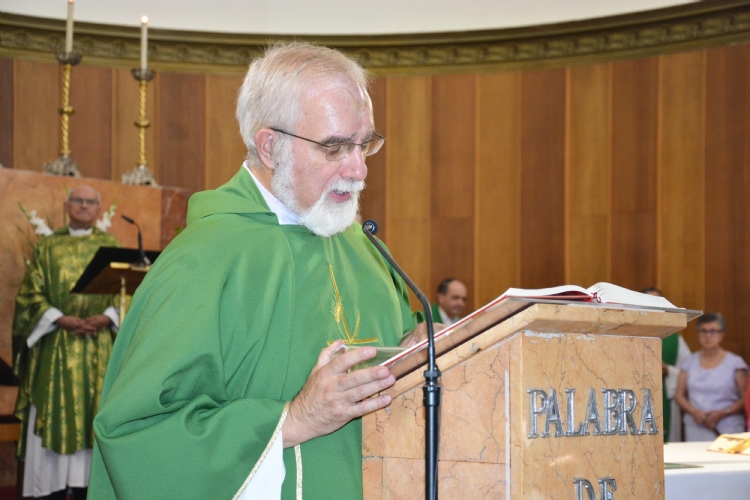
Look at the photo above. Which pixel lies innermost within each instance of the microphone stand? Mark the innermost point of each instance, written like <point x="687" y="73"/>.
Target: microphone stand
<point x="143" y="260"/>
<point x="431" y="390"/>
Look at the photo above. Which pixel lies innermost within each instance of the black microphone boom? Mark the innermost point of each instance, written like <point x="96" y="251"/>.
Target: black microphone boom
<point x="431" y="391"/>
<point x="144" y="261"/>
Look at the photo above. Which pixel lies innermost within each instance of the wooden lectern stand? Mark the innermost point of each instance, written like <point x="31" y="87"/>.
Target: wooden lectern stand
<point x="560" y="401"/>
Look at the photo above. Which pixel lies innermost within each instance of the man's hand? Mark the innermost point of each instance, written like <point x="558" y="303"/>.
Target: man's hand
<point x="664" y="369"/>
<point x="74" y="324"/>
<point x="332" y="396"/>
<point x="98" y="322"/>
<point x="419" y="334"/>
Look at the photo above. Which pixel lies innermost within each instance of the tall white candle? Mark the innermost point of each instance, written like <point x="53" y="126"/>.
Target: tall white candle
<point x="69" y="28"/>
<point x="144" y="43"/>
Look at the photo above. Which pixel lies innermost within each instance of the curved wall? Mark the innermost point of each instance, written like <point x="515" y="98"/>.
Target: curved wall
<point x="596" y="167"/>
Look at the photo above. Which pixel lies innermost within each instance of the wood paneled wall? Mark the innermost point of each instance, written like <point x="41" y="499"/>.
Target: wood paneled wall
<point x="635" y="172"/>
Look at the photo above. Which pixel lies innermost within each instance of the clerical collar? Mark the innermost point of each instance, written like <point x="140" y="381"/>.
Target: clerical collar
<point x="283" y="213"/>
<point x="79" y="232"/>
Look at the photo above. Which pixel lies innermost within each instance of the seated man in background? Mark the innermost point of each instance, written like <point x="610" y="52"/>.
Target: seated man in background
<point x="451" y="300"/>
<point x="223" y="382"/>
<point x="61" y="346"/>
<point x="674" y="350"/>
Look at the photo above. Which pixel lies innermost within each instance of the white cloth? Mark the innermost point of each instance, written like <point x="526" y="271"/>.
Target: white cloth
<point x="270" y="475"/>
<point x="285" y="216"/>
<point x="47" y="323"/>
<point x="670" y="387"/>
<point x="46" y="471"/>
<point x="720" y="475"/>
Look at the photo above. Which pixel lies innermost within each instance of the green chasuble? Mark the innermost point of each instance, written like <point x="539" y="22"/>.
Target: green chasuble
<point x="63" y="373"/>
<point x="669" y="347"/>
<point x="221" y="335"/>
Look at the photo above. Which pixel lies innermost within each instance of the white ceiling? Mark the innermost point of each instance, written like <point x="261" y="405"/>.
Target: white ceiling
<point x="332" y="17"/>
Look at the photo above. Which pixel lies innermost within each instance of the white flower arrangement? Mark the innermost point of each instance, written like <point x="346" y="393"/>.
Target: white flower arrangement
<point x="39" y="225"/>
<point x="106" y="221"/>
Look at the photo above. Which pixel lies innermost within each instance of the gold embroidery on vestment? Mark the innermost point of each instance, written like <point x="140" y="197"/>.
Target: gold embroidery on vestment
<point x="337" y="309"/>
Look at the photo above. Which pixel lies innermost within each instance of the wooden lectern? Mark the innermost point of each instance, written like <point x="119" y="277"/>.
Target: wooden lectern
<point x="559" y="401"/>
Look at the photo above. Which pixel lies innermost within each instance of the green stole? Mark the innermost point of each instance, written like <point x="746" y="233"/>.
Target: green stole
<point x="669" y="346"/>
<point x="436" y="313"/>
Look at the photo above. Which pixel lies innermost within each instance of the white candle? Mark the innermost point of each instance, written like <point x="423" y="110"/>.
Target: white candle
<point x="69" y="28"/>
<point x="144" y="43"/>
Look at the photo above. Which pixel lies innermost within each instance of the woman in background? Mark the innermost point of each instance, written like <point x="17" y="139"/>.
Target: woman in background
<point x="711" y="385"/>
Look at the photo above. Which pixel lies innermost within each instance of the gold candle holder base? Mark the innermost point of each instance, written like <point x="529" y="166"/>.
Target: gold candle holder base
<point x="63" y="166"/>
<point x="140" y="176"/>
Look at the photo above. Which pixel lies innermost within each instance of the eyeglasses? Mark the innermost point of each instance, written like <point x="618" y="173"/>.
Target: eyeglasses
<point x="712" y="331"/>
<point x="340" y="151"/>
<point x="82" y="201"/>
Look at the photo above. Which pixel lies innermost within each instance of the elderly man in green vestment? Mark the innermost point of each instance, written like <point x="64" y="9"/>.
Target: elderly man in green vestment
<point x="61" y="346"/>
<point x="224" y="382"/>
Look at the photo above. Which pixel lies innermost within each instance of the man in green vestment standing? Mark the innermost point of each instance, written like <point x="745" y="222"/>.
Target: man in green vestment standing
<point x="61" y="346"/>
<point x="229" y="378"/>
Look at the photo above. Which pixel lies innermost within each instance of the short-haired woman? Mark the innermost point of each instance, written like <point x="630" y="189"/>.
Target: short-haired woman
<point x="711" y="385"/>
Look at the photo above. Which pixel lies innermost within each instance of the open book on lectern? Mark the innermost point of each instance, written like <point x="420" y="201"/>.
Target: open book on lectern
<point x="510" y="303"/>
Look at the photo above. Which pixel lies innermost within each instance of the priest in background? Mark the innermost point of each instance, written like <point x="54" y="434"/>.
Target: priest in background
<point x="229" y="378"/>
<point x="61" y="346"/>
<point x="451" y="301"/>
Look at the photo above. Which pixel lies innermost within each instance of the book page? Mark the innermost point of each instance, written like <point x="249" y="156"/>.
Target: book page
<point x="564" y="292"/>
<point x="607" y="293"/>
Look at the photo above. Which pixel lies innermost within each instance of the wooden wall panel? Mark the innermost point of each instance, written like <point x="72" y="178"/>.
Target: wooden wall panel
<point x="182" y="129"/>
<point x="91" y="124"/>
<point x="452" y="207"/>
<point x="542" y="178"/>
<point x="372" y="201"/>
<point x="681" y="178"/>
<point x="587" y="175"/>
<point x="225" y="150"/>
<point x="408" y="174"/>
<point x="728" y="191"/>
<point x="497" y="174"/>
<point x="636" y="172"/>
<point x="125" y="112"/>
<point x="6" y="113"/>
<point x="36" y="124"/>
<point x="634" y="141"/>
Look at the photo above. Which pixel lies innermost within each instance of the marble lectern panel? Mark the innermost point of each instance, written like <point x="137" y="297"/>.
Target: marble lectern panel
<point x="584" y="433"/>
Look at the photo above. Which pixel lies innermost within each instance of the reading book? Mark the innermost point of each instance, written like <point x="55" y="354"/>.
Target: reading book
<point x="604" y="293"/>
<point x="505" y="306"/>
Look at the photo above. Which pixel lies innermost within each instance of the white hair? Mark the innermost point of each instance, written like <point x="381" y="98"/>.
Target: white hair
<point x="274" y="84"/>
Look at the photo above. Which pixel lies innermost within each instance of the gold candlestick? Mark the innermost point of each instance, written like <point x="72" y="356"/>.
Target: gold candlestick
<point x="141" y="175"/>
<point x="64" y="164"/>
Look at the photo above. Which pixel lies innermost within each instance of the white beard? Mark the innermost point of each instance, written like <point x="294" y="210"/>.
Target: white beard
<point x="326" y="217"/>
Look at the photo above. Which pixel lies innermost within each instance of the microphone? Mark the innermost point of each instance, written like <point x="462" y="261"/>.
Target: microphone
<point x="144" y="261"/>
<point x="431" y="391"/>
